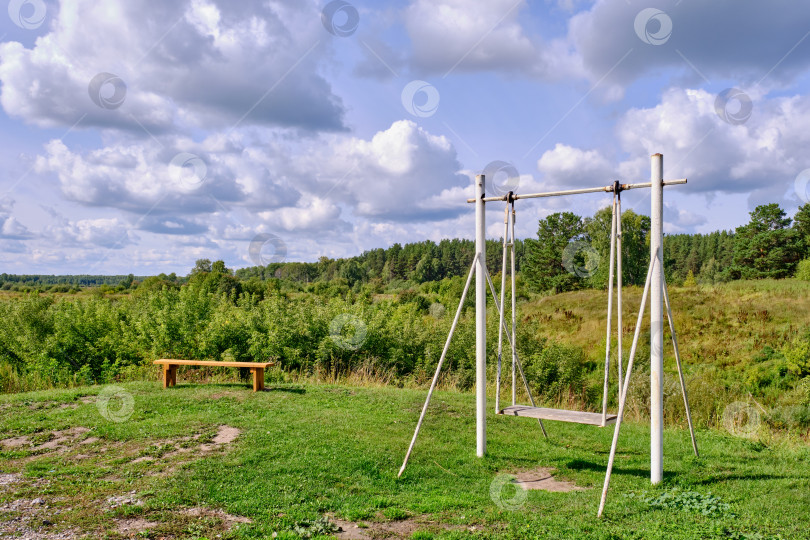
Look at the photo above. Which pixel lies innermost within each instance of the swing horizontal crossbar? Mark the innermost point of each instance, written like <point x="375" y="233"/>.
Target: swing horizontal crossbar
<point x="608" y="189"/>
<point x="560" y="415"/>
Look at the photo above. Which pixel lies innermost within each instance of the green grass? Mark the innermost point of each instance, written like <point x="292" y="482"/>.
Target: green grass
<point x="310" y="451"/>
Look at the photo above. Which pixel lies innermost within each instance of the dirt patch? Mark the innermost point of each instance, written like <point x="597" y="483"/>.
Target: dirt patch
<point x="8" y="479"/>
<point x="225" y="435"/>
<point x="228" y="520"/>
<point x="128" y="526"/>
<point x="31" y="519"/>
<point x="37" y="405"/>
<point x="60" y="440"/>
<point x="15" y="442"/>
<point x="350" y="531"/>
<point x="542" y="479"/>
<point x="56" y="440"/>
<point x="121" y="500"/>
<point x="404" y="528"/>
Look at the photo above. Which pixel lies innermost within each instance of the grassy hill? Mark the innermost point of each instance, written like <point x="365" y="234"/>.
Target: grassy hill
<point x="218" y="461"/>
<point x="736" y="341"/>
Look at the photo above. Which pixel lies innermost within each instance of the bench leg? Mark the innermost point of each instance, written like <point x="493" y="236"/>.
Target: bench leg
<point x="258" y="379"/>
<point x="169" y="375"/>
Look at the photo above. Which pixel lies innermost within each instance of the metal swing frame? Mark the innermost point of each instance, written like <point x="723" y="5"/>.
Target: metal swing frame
<point x="655" y="284"/>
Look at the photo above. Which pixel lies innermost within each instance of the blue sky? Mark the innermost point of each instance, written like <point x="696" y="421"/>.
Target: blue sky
<point x="141" y="135"/>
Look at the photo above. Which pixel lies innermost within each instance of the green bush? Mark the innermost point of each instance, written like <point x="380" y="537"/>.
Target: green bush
<point x="556" y="372"/>
<point x="803" y="270"/>
<point x="797" y="355"/>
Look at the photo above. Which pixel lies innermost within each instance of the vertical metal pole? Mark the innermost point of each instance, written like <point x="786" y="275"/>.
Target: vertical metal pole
<point x="619" y="257"/>
<point x="480" y="320"/>
<point x="501" y="314"/>
<point x="514" y="312"/>
<point x="657" y="320"/>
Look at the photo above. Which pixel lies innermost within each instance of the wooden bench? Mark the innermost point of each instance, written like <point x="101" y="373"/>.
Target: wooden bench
<point x="170" y="369"/>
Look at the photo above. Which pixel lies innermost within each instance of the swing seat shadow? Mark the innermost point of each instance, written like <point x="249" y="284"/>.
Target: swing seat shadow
<point x="579" y="464"/>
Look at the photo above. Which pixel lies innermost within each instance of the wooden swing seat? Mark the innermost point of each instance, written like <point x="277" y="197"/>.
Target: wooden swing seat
<point x="560" y="415"/>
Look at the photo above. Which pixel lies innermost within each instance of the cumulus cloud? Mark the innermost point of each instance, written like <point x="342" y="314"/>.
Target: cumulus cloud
<point x="111" y="233"/>
<point x="568" y="167"/>
<point x="184" y="65"/>
<point x="391" y="176"/>
<point x="386" y="177"/>
<point x="481" y="36"/>
<point x="10" y="226"/>
<point x="604" y="41"/>
<point x="180" y="178"/>
<point x="720" y="39"/>
<point x="760" y="157"/>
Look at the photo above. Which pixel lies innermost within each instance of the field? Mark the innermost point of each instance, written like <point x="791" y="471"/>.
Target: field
<point x="299" y="460"/>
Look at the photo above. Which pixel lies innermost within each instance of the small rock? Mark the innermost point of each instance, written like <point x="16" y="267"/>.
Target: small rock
<point x="38" y="501"/>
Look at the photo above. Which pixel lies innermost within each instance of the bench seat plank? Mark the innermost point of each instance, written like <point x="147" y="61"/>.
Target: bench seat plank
<point x="171" y="361"/>
<point x="170" y="369"/>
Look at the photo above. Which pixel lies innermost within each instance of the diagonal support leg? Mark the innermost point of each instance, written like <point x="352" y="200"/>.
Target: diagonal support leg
<point x="439" y="367"/>
<point x="680" y="370"/>
<point x="623" y="397"/>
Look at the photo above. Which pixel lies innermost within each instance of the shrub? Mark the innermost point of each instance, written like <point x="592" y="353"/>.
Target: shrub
<point x="557" y="371"/>
<point x="803" y="270"/>
<point x="797" y="355"/>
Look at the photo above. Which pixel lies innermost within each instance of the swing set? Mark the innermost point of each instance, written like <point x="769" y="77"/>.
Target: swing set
<point x="655" y="288"/>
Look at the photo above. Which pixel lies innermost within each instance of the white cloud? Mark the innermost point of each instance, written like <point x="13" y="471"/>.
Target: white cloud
<point x="759" y="157"/>
<point x="111" y="233"/>
<point x="481" y="36"/>
<point x="722" y="39"/>
<point x="568" y="167"/>
<point x="10" y="226"/>
<point x="185" y="65"/>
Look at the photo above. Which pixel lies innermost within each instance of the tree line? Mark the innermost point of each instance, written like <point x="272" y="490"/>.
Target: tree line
<point x="569" y="252"/>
